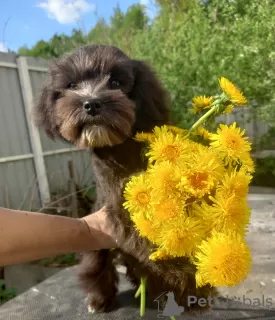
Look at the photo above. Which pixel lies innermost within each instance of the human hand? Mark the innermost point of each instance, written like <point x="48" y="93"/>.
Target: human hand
<point x="101" y="232"/>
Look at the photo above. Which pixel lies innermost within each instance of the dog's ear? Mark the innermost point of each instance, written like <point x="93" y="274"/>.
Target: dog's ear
<point x="152" y="100"/>
<point x="43" y="112"/>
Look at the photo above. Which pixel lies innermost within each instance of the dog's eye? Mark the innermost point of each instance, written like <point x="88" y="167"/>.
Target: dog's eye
<point x="115" y="84"/>
<point x="72" y="86"/>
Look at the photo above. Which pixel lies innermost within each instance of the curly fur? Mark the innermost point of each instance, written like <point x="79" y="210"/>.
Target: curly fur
<point x="131" y="99"/>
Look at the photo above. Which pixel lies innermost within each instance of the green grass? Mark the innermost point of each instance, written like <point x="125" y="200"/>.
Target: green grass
<point x="6" y="294"/>
<point x="63" y="260"/>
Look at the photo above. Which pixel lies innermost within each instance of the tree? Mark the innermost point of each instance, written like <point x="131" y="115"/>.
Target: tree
<point x="42" y="49"/>
<point x="100" y="33"/>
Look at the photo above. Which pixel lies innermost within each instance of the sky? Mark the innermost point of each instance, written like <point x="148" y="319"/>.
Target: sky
<point x="24" y="22"/>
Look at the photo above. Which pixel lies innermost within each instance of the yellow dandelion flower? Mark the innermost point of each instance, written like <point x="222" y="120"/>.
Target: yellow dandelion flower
<point x="229" y="109"/>
<point x="159" y="131"/>
<point x="180" y="236"/>
<point x="231" y="167"/>
<point x="196" y="183"/>
<point x="228" y="212"/>
<point x="223" y="260"/>
<point x="146" y="227"/>
<point x="200" y="280"/>
<point x="198" y="148"/>
<point x="248" y="163"/>
<point x="201" y="102"/>
<point x="236" y="182"/>
<point x="163" y="177"/>
<point x="159" y="255"/>
<point x="177" y="130"/>
<point x="145" y="137"/>
<point x="201" y="174"/>
<point x="234" y="94"/>
<point x="230" y="143"/>
<point x="194" y="148"/>
<point x="202" y="132"/>
<point x="137" y="194"/>
<point x="168" y="208"/>
<point x="167" y="147"/>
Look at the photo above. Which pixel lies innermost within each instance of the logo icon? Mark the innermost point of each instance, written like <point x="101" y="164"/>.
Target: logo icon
<point x="171" y="308"/>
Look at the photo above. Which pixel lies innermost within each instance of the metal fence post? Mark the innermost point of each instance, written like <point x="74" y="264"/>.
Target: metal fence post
<point x="26" y="89"/>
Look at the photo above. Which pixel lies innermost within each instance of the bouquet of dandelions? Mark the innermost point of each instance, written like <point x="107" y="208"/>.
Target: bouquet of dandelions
<point x="191" y="201"/>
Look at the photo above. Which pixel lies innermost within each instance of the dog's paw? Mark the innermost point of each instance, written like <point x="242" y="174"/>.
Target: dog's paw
<point x="91" y="310"/>
<point x="101" y="304"/>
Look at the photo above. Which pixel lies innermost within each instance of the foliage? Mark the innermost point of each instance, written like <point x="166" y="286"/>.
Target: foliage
<point x="206" y="43"/>
<point x="268" y="166"/>
<point x="6" y="293"/>
<point x="90" y="192"/>
<point x="57" y="45"/>
<point x="267" y="141"/>
<point x="265" y="172"/>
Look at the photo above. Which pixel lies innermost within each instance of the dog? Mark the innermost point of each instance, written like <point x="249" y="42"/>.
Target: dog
<point x="97" y="97"/>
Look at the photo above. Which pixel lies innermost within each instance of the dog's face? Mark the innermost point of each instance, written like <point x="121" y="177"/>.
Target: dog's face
<point x="98" y="96"/>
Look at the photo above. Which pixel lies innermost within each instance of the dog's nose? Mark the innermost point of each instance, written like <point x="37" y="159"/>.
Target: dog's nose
<point x="92" y="107"/>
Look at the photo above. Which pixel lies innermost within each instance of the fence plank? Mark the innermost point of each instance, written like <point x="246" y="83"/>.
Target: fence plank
<point x="33" y="131"/>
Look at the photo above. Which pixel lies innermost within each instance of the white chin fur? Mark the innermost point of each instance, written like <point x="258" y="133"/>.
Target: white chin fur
<point x="98" y="137"/>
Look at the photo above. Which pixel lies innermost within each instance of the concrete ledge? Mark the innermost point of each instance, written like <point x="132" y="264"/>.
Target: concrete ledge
<point x="261" y="190"/>
<point x="59" y="298"/>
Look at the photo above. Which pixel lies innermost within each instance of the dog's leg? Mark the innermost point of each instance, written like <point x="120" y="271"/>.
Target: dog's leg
<point x="99" y="279"/>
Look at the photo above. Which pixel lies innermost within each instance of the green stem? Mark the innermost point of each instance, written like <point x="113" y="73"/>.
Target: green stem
<point x="203" y="118"/>
<point x="142" y="296"/>
<point x="138" y="292"/>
